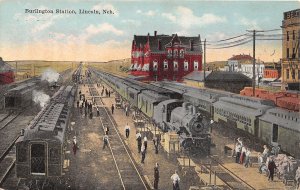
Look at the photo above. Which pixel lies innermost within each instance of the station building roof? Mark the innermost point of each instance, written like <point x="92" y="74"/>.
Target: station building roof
<point x="226" y="76"/>
<point x="197" y="76"/>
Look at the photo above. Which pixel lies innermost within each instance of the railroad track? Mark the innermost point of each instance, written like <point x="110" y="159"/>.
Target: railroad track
<point x="231" y="180"/>
<point x="9" y="118"/>
<point x="128" y="173"/>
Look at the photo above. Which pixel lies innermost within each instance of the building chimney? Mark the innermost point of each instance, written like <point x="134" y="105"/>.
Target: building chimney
<point x="159" y="44"/>
<point x="155" y="33"/>
<point x="192" y="45"/>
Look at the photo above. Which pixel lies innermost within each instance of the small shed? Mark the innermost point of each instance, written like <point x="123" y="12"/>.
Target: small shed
<point x="195" y="78"/>
<point x="228" y="81"/>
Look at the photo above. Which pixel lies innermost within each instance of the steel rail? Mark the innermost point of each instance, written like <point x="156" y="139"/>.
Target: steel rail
<point x="132" y="162"/>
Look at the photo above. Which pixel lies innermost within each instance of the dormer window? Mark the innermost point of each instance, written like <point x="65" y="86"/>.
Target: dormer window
<point x="169" y="53"/>
<point x="155" y="65"/>
<point x="186" y="65"/>
<point x="181" y="54"/>
<point x="165" y="65"/>
<point x="195" y="65"/>
<point x="175" y="52"/>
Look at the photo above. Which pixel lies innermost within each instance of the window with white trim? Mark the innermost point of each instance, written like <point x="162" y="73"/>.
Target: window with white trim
<point x="165" y="65"/>
<point x="186" y="65"/>
<point x="181" y="54"/>
<point x="175" y="63"/>
<point x="155" y="65"/>
<point x="175" y="52"/>
<point x="195" y="65"/>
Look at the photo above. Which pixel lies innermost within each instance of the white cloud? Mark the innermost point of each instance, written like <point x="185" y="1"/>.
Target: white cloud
<point x="250" y="24"/>
<point x="105" y="6"/>
<point x="149" y="13"/>
<point x="88" y="33"/>
<point x="185" y="17"/>
<point x="132" y="22"/>
<point x="169" y="16"/>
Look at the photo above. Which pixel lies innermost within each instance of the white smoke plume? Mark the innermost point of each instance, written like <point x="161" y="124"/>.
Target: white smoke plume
<point x="50" y="75"/>
<point x="40" y="98"/>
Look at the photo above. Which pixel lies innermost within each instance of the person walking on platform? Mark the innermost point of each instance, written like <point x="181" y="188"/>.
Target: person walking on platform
<point x="145" y="142"/>
<point x="243" y="155"/>
<point x="106" y="130"/>
<point x="126" y="110"/>
<point x="108" y="93"/>
<point x="155" y="142"/>
<point x="143" y="150"/>
<point x="98" y="113"/>
<point x="238" y="150"/>
<point x="127" y="130"/>
<point x="156" y="176"/>
<point x="247" y="159"/>
<point x="175" y="178"/>
<point x="139" y="141"/>
<point x="105" y="141"/>
<point x="112" y="109"/>
<point x="77" y="103"/>
<point x="271" y="167"/>
<point x="75" y="146"/>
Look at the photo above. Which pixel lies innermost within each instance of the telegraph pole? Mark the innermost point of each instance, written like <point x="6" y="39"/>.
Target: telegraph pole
<point x="204" y="59"/>
<point x="253" y="80"/>
<point x="253" y="69"/>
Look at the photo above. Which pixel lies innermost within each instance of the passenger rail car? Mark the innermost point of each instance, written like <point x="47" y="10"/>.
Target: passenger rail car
<point x="20" y="96"/>
<point x="40" y="148"/>
<point x="256" y="118"/>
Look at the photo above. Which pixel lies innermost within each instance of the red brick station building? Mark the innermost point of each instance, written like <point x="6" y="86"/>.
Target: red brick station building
<point x="168" y="57"/>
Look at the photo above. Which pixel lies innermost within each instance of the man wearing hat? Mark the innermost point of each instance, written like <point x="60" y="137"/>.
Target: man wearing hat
<point x="75" y="147"/>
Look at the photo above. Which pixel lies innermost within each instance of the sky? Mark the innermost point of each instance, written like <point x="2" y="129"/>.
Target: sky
<point x="104" y="37"/>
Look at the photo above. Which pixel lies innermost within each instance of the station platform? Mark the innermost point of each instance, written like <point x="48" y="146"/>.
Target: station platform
<point x="93" y="165"/>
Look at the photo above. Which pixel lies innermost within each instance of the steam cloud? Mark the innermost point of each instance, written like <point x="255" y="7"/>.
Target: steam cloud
<point x="50" y="75"/>
<point x="40" y="98"/>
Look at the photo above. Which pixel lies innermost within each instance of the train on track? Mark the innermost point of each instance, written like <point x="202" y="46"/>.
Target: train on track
<point x="255" y="118"/>
<point x="40" y="149"/>
<point x="165" y="109"/>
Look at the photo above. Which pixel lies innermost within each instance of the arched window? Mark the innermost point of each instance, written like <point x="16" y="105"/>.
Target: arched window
<point x="175" y="52"/>
<point x="165" y="64"/>
<point x="155" y="65"/>
<point x="181" y="54"/>
<point x="169" y="53"/>
<point x="195" y="65"/>
<point x="186" y="65"/>
<point x="175" y="63"/>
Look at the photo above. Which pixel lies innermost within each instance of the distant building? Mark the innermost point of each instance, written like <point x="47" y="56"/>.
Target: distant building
<point x="228" y="81"/>
<point x="235" y="62"/>
<point x="272" y="72"/>
<point x="247" y="69"/>
<point x="6" y="73"/>
<point x="290" y="49"/>
<point x="195" y="78"/>
<point x="165" y="57"/>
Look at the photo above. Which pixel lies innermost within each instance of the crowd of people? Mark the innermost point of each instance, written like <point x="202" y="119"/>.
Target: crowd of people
<point x="270" y="162"/>
<point x="87" y="108"/>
